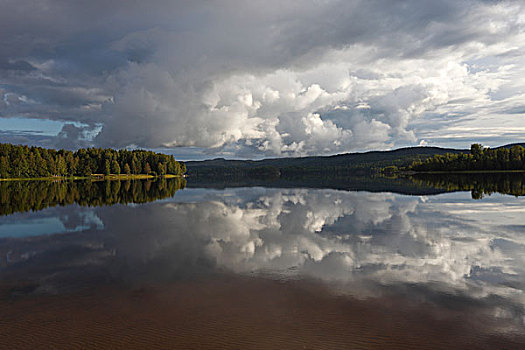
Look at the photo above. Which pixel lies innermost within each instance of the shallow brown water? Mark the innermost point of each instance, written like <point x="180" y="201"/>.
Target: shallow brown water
<point x="231" y="312"/>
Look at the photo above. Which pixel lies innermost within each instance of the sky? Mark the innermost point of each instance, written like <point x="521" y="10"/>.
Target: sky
<point x="256" y="79"/>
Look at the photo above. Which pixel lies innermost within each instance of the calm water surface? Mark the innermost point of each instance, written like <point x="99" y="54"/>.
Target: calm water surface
<point x="448" y="252"/>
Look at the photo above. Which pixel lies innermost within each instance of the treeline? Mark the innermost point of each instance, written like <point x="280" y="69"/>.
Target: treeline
<point x="349" y="164"/>
<point x="478" y="184"/>
<point x="283" y="172"/>
<point x="24" y="161"/>
<point x="17" y="196"/>
<point x="479" y="158"/>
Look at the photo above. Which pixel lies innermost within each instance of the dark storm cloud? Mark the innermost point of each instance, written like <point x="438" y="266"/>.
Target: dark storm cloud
<point x="255" y="77"/>
<point x="16" y="66"/>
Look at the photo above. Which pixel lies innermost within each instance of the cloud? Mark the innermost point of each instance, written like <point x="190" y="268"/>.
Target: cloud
<point x="261" y="78"/>
<point x="366" y="241"/>
<point x="3" y="100"/>
<point x="72" y="136"/>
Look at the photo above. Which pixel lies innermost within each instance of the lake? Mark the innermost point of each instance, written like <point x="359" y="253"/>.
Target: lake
<point x="165" y="264"/>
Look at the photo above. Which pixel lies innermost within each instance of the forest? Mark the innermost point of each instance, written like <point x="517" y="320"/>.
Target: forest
<point x="36" y="162"/>
<point x="479" y="158"/>
<point x="348" y="164"/>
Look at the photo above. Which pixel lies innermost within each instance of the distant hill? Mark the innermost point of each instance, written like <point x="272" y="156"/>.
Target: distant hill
<point x="510" y="145"/>
<point x="340" y="165"/>
<point x="347" y="183"/>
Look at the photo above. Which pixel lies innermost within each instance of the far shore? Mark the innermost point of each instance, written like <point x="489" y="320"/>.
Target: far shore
<point x="461" y="172"/>
<point x="95" y="177"/>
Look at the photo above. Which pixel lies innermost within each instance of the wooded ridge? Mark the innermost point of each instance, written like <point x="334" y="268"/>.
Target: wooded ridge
<point x="506" y="158"/>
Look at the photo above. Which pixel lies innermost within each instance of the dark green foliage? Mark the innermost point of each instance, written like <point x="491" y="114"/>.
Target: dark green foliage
<point x="350" y="164"/>
<point x="22" y="196"/>
<point x="115" y="167"/>
<point x="502" y="158"/>
<point x="161" y="168"/>
<point x="107" y="167"/>
<point x="4" y="167"/>
<point x="32" y="162"/>
<point x="479" y="184"/>
<point x="391" y="170"/>
<point x="135" y="165"/>
<point x="266" y="172"/>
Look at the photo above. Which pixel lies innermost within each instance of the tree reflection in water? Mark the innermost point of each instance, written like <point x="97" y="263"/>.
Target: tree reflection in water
<point x="23" y="196"/>
<point x="479" y="184"/>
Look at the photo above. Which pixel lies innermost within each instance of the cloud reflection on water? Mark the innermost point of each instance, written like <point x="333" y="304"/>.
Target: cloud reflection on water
<point x="368" y="242"/>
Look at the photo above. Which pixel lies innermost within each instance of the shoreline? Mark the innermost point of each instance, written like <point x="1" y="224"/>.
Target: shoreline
<point x="94" y="177"/>
<point x="410" y="173"/>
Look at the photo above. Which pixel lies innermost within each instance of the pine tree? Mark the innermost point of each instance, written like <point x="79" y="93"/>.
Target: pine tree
<point x="115" y="168"/>
<point x="107" y="167"/>
<point x="135" y="165"/>
<point x="87" y="171"/>
<point x="61" y="166"/>
<point x="4" y="168"/>
<point x="161" y="168"/>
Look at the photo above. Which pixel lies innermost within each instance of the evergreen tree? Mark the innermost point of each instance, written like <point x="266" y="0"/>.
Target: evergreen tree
<point x="61" y="166"/>
<point x="72" y="164"/>
<point x="161" y="168"/>
<point x="107" y="167"/>
<point x="51" y="165"/>
<point x="86" y="171"/>
<point x="4" y="167"/>
<point x="41" y="166"/>
<point x="135" y="165"/>
<point x="115" y="168"/>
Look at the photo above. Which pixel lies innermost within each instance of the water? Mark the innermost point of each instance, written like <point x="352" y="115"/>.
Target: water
<point x="446" y="252"/>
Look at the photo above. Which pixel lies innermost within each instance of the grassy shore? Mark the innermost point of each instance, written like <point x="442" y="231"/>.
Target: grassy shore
<point x="95" y="177"/>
